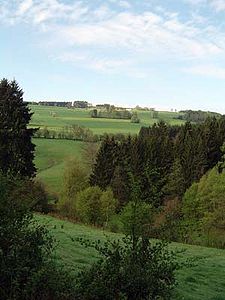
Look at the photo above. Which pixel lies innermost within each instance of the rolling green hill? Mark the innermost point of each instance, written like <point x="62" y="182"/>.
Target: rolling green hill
<point x="56" y="117"/>
<point x="205" y="281"/>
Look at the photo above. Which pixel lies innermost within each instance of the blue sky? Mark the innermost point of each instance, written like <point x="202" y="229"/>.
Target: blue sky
<point x="156" y="53"/>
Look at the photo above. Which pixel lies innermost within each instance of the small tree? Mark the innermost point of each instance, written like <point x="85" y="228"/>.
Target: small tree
<point x="94" y="206"/>
<point x="134" y="118"/>
<point x="89" y="153"/>
<point x="108" y="205"/>
<point x="88" y="205"/>
<point x="75" y="179"/>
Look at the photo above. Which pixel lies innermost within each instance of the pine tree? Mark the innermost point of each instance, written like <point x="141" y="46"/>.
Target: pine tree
<point x="16" y="147"/>
<point x="175" y="186"/>
<point x="105" y="164"/>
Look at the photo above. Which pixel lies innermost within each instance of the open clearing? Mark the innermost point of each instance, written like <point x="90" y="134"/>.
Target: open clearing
<point x="205" y="281"/>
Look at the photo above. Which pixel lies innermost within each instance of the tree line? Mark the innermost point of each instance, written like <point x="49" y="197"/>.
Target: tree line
<point x="164" y="159"/>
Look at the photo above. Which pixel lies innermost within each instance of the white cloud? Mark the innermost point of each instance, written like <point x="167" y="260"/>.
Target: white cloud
<point x="124" y="4"/>
<point x="207" y="71"/>
<point x="103" y="64"/>
<point x="218" y="5"/>
<point x="144" y="37"/>
<point x="24" y="7"/>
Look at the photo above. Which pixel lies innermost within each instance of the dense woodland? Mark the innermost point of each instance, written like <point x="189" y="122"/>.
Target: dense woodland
<point x="163" y="161"/>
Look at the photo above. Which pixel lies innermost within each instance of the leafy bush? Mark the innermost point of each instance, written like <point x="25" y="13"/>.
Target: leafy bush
<point x="94" y="206"/>
<point x="34" y="194"/>
<point x="25" y="251"/>
<point x="204" y="209"/>
<point x="137" y="218"/>
<point x="143" y="270"/>
<point x="75" y="180"/>
<point x="167" y="221"/>
<point x="134" y="118"/>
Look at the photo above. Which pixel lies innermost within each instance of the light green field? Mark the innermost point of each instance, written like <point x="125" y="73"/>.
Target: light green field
<point x="50" y="157"/>
<point x="66" y="117"/>
<point x="205" y="281"/>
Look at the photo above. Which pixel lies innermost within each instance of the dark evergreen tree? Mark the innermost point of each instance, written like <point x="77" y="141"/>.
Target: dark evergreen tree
<point x="16" y="147"/>
<point x="105" y="164"/>
<point x="213" y="141"/>
<point x="175" y="186"/>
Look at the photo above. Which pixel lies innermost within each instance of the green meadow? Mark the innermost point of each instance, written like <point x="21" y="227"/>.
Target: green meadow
<point x="50" y="158"/>
<point x="56" y="118"/>
<point x="204" y="280"/>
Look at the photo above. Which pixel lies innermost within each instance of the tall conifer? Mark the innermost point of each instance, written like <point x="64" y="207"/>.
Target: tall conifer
<point x="16" y="147"/>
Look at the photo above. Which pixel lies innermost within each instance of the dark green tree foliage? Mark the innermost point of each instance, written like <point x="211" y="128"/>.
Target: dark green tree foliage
<point x="27" y="268"/>
<point x="120" y="182"/>
<point x="212" y="139"/>
<point x="165" y="159"/>
<point x="105" y="164"/>
<point x="16" y="148"/>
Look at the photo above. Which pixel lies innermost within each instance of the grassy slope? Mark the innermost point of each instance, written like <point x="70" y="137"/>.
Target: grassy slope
<point x="65" y="117"/>
<point x="50" y="157"/>
<point x="206" y="281"/>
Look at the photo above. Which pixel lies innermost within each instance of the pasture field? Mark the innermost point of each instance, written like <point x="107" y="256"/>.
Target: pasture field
<point x="55" y="118"/>
<point x="204" y="281"/>
<point x="50" y="157"/>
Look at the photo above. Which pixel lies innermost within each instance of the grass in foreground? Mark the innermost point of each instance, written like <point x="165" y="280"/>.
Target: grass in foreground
<point x="206" y="281"/>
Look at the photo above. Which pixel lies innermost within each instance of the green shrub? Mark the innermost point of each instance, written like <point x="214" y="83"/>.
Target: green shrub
<point x="115" y="224"/>
<point x="88" y="206"/>
<point x="108" y="205"/>
<point x="204" y="209"/>
<point x="137" y="218"/>
<point x="143" y="270"/>
<point x="25" y="251"/>
<point x="75" y="180"/>
<point x="95" y="206"/>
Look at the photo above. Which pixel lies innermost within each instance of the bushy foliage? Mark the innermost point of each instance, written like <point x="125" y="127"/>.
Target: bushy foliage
<point x="167" y="221"/>
<point x="134" y="118"/>
<point x="35" y="194"/>
<point x="95" y="206"/>
<point x="137" y="218"/>
<point x="75" y="179"/>
<point x="25" y="251"/>
<point x="204" y="210"/>
<point x="143" y="270"/>
<point x="73" y="132"/>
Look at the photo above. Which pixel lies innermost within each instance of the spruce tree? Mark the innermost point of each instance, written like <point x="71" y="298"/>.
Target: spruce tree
<point x="105" y="164"/>
<point x="16" y="147"/>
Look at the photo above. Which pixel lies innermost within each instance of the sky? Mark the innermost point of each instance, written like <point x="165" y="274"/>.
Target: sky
<point x="167" y="54"/>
